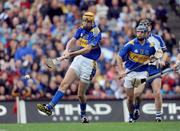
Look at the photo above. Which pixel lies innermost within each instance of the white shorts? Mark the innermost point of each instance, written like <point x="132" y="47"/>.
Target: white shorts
<point x="134" y="79"/>
<point x="85" y="68"/>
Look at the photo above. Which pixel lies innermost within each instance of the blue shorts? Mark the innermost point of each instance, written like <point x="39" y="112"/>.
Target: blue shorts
<point x="152" y="70"/>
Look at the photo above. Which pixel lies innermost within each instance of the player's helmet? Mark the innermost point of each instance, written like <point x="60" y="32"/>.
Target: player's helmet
<point x="141" y="32"/>
<point x="147" y="23"/>
<point x="88" y="18"/>
<point x="141" y="28"/>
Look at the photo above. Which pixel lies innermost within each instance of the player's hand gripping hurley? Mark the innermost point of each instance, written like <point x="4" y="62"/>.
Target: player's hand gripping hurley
<point x="52" y="63"/>
<point x="155" y="57"/>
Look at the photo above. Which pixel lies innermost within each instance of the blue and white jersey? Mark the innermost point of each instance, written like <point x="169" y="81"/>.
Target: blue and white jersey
<point x="159" y="45"/>
<point x="135" y="54"/>
<point x="157" y="41"/>
<point x="92" y="37"/>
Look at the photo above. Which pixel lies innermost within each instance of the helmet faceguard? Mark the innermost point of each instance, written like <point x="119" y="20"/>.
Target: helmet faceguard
<point x="147" y="23"/>
<point x="141" y="32"/>
<point x="88" y="20"/>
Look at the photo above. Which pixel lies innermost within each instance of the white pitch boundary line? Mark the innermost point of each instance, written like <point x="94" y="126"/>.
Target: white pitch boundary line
<point x="126" y="112"/>
<point x="23" y="112"/>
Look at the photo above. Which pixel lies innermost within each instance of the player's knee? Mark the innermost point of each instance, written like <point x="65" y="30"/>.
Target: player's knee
<point x="156" y="84"/>
<point x="138" y="97"/>
<point x="157" y="94"/>
<point x="81" y="97"/>
<point x="136" y="94"/>
<point x="64" y="85"/>
<point x="130" y="99"/>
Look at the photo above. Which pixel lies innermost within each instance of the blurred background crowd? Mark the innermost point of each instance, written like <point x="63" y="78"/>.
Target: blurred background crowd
<point x="33" y="30"/>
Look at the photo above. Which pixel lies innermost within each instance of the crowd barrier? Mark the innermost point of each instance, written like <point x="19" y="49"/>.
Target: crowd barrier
<point x="21" y="111"/>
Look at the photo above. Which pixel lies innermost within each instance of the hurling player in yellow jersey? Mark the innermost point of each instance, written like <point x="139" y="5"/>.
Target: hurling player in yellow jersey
<point x="154" y="68"/>
<point x="83" y="66"/>
<point x="135" y="53"/>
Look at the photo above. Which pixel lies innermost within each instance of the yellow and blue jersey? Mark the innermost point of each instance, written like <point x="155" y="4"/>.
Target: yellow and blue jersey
<point x="92" y="37"/>
<point x="135" y="54"/>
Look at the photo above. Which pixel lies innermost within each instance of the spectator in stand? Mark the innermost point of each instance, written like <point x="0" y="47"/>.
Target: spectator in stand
<point x="101" y="9"/>
<point x="54" y="10"/>
<point x="175" y="6"/>
<point x="51" y="90"/>
<point x="35" y="92"/>
<point x="170" y="40"/>
<point x="4" y="87"/>
<point x="161" y="13"/>
<point x="113" y="12"/>
<point x="166" y="90"/>
<point x="168" y="83"/>
<point x="177" y="90"/>
<point x="20" y="90"/>
<point x="98" y="92"/>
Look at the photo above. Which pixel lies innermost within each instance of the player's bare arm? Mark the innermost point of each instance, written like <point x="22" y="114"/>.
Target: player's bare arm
<point x="51" y="63"/>
<point x="69" y="45"/>
<point x="121" y="69"/>
<point x="78" y="52"/>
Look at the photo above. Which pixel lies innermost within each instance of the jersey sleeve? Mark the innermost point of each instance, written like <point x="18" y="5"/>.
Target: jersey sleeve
<point x="153" y="51"/>
<point x="96" y="36"/>
<point x="95" y="40"/>
<point x="162" y="43"/>
<point x="124" y="51"/>
<point x="77" y="34"/>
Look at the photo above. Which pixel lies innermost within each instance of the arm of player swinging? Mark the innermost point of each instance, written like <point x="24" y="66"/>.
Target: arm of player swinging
<point x="51" y="63"/>
<point x="93" y="43"/>
<point x="75" y="53"/>
<point x="72" y="41"/>
<point x="70" y="44"/>
<point x="81" y="51"/>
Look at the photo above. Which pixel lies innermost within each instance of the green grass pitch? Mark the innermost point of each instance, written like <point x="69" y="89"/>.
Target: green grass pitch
<point x="104" y="126"/>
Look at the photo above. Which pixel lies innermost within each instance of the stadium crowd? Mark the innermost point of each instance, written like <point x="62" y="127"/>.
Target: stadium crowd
<point x="33" y="30"/>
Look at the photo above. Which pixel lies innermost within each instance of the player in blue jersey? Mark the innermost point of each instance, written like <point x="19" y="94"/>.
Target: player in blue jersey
<point x="83" y="66"/>
<point x="153" y="69"/>
<point x="136" y="52"/>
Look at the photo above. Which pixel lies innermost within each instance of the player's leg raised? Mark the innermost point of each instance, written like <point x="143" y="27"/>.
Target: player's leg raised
<point x="69" y="78"/>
